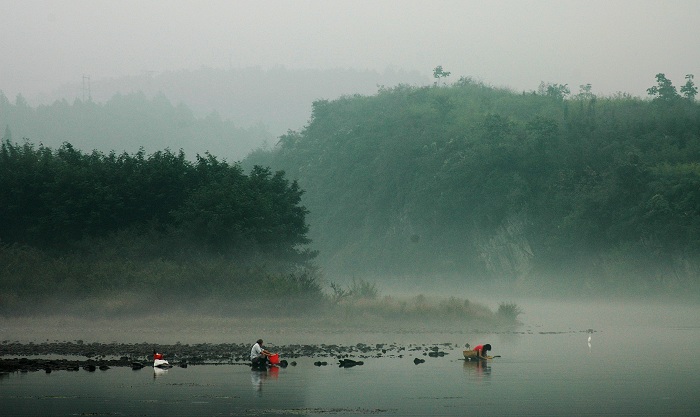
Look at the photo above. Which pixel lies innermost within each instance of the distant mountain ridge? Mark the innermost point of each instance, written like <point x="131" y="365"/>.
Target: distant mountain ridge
<point x="277" y="98"/>
<point x="228" y="113"/>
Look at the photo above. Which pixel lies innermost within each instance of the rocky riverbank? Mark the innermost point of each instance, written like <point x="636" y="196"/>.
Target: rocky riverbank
<point x="74" y="356"/>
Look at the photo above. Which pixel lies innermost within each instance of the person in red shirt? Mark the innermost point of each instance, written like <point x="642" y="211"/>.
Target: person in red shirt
<point x="481" y="350"/>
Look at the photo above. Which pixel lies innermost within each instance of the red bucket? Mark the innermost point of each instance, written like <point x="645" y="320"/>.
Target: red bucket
<point x="275" y="359"/>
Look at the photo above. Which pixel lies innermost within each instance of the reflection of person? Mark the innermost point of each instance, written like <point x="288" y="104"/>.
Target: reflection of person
<point x="258" y="355"/>
<point x="481" y="351"/>
<point x="480" y="368"/>
<point x="159" y="372"/>
<point x="257" y="379"/>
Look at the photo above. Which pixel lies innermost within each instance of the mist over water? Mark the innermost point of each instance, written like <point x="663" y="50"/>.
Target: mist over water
<point x="445" y="198"/>
<point x="568" y="358"/>
<point x="538" y="315"/>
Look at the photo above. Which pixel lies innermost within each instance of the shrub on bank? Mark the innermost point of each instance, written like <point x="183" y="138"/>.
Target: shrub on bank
<point x="361" y="302"/>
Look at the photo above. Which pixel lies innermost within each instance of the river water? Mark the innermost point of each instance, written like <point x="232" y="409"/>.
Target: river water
<point x="568" y="359"/>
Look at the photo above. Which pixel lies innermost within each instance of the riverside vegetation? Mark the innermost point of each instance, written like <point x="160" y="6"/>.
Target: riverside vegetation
<point x="106" y="234"/>
<point x="77" y="225"/>
<point x="465" y="183"/>
<point x="545" y="192"/>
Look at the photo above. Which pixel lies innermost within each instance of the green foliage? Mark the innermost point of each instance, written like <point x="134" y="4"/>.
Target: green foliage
<point x="664" y="90"/>
<point x="127" y="123"/>
<point x="418" y="312"/>
<point x="509" y="311"/>
<point x="553" y="90"/>
<point x="439" y="73"/>
<point x="95" y="223"/>
<point x="125" y="270"/>
<point x="585" y="92"/>
<point x="56" y="198"/>
<point x="496" y="186"/>
<point x="358" y="289"/>
<point x="689" y="90"/>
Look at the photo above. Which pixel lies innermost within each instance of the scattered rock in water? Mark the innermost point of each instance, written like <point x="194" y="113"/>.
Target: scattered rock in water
<point x="137" y="355"/>
<point x="104" y="367"/>
<point x="349" y="363"/>
<point x="417" y="361"/>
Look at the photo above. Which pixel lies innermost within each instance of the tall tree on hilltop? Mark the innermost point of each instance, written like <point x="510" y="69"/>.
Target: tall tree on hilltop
<point x="689" y="90"/>
<point x="557" y="91"/>
<point x="664" y="90"/>
<point x="439" y="73"/>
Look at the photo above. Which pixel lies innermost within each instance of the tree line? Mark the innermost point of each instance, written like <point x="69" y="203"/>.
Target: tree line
<point x="86" y="222"/>
<point x="488" y="185"/>
<point x="127" y="123"/>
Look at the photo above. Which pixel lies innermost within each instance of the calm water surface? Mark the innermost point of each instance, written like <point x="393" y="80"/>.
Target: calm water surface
<point x="640" y="361"/>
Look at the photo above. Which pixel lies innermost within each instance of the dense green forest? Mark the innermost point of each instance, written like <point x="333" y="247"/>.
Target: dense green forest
<point x="92" y="224"/>
<point x="542" y="190"/>
<point x="128" y="123"/>
<point x="126" y="234"/>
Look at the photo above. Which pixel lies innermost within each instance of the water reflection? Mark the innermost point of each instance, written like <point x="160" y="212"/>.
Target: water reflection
<point x="258" y="377"/>
<point x="158" y="372"/>
<point x="480" y="369"/>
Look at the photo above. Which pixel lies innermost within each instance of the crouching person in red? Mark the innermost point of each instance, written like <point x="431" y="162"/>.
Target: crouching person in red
<point x="481" y="351"/>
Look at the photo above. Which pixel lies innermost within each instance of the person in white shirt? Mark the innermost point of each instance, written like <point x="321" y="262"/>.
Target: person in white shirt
<point x="258" y="355"/>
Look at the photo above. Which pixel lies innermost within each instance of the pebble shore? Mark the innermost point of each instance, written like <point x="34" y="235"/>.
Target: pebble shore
<point x="77" y="355"/>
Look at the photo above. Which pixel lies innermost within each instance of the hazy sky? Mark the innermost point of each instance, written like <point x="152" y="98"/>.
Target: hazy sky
<point x="616" y="45"/>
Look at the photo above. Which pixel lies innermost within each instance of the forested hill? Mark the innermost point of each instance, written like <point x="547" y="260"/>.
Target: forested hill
<point x="278" y="98"/>
<point x="127" y="123"/>
<point x="524" y="189"/>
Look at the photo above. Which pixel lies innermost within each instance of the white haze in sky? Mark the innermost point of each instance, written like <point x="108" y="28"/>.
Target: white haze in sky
<point x="616" y="45"/>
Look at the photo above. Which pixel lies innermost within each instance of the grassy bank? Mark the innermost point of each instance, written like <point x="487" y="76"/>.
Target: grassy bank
<point x="123" y="278"/>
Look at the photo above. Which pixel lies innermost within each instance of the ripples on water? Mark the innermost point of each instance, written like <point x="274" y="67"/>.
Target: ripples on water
<point x="637" y="362"/>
